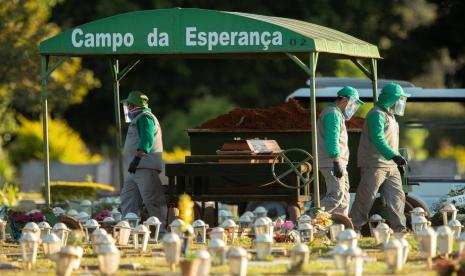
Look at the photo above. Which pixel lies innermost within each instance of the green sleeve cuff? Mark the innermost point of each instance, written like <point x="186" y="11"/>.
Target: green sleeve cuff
<point x="145" y="128"/>
<point x="376" y="122"/>
<point x="332" y="129"/>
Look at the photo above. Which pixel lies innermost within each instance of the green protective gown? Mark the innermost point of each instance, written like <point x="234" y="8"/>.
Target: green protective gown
<point x="376" y="123"/>
<point x="332" y="137"/>
<point x="332" y="142"/>
<point x="144" y="133"/>
<point x="379" y="141"/>
<point x="332" y="127"/>
<point x="146" y="129"/>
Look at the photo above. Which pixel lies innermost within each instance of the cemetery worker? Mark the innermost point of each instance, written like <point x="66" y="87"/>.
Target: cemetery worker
<point x="333" y="150"/>
<point x="379" y="160"/>
<point x="143" y="149"/>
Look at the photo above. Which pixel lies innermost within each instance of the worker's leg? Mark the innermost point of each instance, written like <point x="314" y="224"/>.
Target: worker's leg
<point x="345" y="203"/>
<point x="371" y="180"/>
<point x="335" y="189"/>
<point x="152" y="193"/>
<point x="131" y="201"/>
<point x="395" y="199"/>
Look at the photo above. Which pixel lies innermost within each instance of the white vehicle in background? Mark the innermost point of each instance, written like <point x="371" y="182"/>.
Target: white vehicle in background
<point x="428" y="180"/>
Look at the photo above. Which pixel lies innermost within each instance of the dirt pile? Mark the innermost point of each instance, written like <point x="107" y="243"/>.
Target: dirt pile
<point x="290" y="115"/>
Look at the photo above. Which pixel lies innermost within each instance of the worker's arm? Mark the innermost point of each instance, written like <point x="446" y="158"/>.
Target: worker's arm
<point x="332" y="129"/>
<point x="376" y="122"/>
<point x="146" y="129"/>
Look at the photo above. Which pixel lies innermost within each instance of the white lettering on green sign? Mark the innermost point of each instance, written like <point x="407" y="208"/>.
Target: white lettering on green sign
<point x="90" y="40"/>
<point x="155" y="39"/>
<point x="194" y="38"/>
<point x="212" y="39"/>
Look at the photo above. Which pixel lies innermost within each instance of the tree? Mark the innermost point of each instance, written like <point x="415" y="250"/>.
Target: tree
<point x="23" y="24"/>
<point x="175" y="124"/>
<point x="65" y="145"/>
<point x="433" y="48"/>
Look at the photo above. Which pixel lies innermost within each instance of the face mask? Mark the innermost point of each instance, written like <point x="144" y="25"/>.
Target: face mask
<point x="352" y="106"/>
<point x="399" y="107"/>
<point x="132" y="115"/>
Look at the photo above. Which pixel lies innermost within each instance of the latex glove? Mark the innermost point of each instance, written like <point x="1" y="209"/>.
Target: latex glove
<point x="133" y="165"/>
<point x="338" y="171"/>
<point x="401" y="170"/>
<point x="399" y="160"/>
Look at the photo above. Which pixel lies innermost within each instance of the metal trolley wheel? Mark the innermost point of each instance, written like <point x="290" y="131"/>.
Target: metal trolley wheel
<point x="293" y="168"/>
<point x="339" y="218"/>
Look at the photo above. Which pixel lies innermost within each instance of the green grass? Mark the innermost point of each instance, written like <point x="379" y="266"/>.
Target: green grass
<point x="320" y="262"/>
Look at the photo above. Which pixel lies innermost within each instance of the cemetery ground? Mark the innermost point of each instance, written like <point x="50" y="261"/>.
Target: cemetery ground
<point x="152" y="262"/>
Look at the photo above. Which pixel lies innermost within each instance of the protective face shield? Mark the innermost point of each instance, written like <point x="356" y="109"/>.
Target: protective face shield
<point x="129" y="114"/>
<point x="127" y="118"/>
<point x="353" y="104"/>
<point x="399" y="106"/>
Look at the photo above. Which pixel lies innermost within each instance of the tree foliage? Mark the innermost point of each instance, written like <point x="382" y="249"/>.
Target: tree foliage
<point x="23" y="24"/>
<point x="454" y="152"/>
<point x="6" y="169"/>
<point x="434" y="47"/>
<point x="64" y="143"/>
<point x="176" y="123"/>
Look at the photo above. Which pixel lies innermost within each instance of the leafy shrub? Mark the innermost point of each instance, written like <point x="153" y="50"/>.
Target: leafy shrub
<point x="23" y="217"/>
<point x="99" y="207"/>
<point x="64" y="143"/>
<point x="102" y="215"/>
<point x="62" y="191"/>
<point x="177" y="155"/>
<point x="436" y="219"/>
<point x="9" y="195"/>
<point x="6" y="169"/>
<point x="454" y="152"/>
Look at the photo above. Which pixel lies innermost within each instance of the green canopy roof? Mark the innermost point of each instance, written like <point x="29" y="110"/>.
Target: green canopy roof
<point x="202" y="32"/>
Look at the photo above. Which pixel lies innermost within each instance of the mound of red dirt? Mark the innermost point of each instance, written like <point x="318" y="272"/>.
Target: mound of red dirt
<point x="290" y="115"/>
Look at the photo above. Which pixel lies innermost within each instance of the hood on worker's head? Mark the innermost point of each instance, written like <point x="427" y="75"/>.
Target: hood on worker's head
<point x="390" y="94"/>
<point x="137" y="98"/>
<point x="349" y="91"/>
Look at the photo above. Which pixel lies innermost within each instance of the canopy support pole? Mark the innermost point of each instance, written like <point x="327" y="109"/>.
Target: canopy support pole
<point x="55" y="66"/>
<point x="374" y="79"/>
<point x="43" y="75"/>
<point x="316" y="182"/>
<point x="362" y="68"/>
<point x="117" y="77"/>
<point x="371" y="73"/>
<point x="300" y="63"/>
<point x="45" y="72"/>
<point x="310" y="70"/>
<point x="114" y="65"/>
<point x="127" y="69"/>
